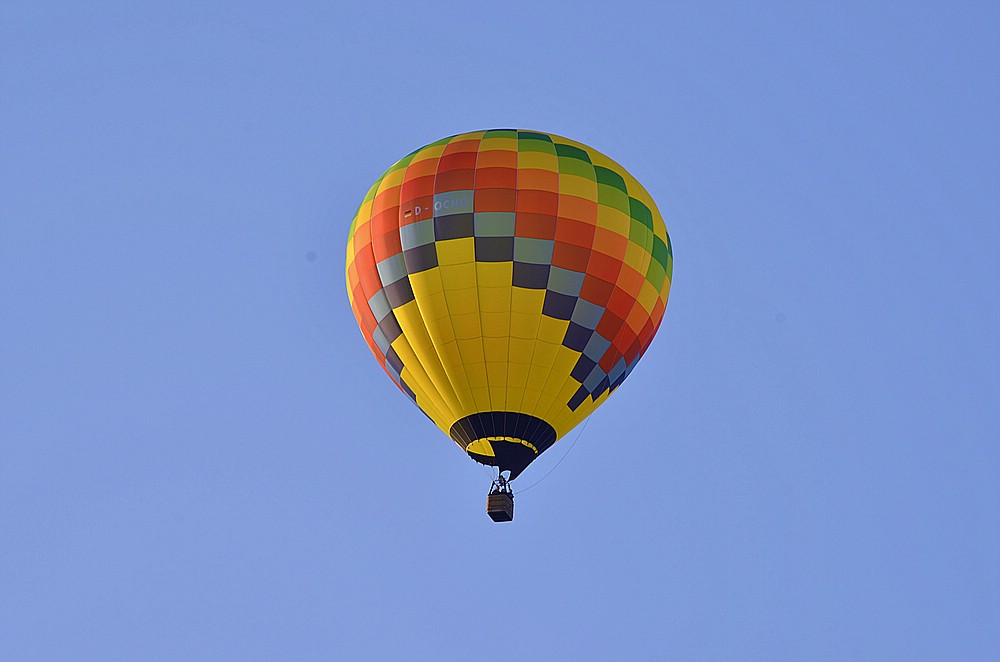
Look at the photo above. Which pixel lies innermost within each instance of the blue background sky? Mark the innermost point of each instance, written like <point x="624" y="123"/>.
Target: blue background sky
<point x="200" y="460"/>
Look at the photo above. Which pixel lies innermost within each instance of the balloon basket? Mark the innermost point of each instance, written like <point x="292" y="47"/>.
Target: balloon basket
<point x="500" y="502"/>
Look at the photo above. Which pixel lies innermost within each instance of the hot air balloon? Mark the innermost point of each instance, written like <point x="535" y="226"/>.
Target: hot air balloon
<point x="507" y="281"/>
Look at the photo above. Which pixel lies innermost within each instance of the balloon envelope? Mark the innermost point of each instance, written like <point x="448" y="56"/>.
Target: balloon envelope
<point x="508" y="282"/>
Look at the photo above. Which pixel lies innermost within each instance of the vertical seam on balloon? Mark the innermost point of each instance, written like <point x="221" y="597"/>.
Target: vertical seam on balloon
<point x="418" y="366"/>
<point x="558" y="415"/>
<point x="440" y="360"/>
<point x="508" y="402"/>
<point x="475" y="262"/>
<point x="533" y="428"/>
<point x="535" y="342"/>
<point x="554" y="412"/>
<point x="458" y="347"/>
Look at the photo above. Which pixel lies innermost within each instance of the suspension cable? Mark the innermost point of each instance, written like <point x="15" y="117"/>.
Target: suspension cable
<point x="578" y="435"/>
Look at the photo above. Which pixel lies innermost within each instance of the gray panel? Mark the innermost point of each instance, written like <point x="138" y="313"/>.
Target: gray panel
<point x="417" y="234"/>
<point x="596" y="347"/>
<point x="391" y="269"/>
<point x="535" y="251"/>
<point x="494" y="224"/>
<point x="453" y="202"/>
<point x="596" y="377"/>
<point x="565" y="281"/>
<point x="588" y="314"/>
<point x="379" y="305"/>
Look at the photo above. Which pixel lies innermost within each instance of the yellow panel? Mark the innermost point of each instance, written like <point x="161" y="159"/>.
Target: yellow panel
<point x="648" y="296"/>
<point x="456" y="251"/>
<point x="527" y="301"/>
<point x="467" y="326"/>
<point x="552" y="330"/>
<point x="530" y="401"/>
<point x="495" y="349"/>
<point x="494" y="299"/>
<point x="394" y="178"/>
<point x="458" y="276"/>
<point x="498" y="397"/>
<point x="414" y="375"/>
<point x="515" y="396"/>
<point x="539" y="160"/>
<point x="429" y="152"/>
<point x="426" y="282"/>
<point x="496" y="325"/>
<point x="495" y="274"/>
<point x="482" y="399"/>
<point x="440" y="331"/>
<point x="635" y="256"/>
<point x="496" y="373"/>
<point x="462" y="302"/>
<point x="538" y="374"/>
<point x="524" y="325"/>
<point x="476" y="372"/>
<point x="517" y="374"/>
<point x="613" y="219"/>
<point x="481" y="447"/>
<point x="566" y="359"/>
<point x="472" y="350"/>
<point x="490" y="144"/>
<point x="578" y="186"/>
<point x="520" y="349"/>
<point x="433" y="305"/>
<point x="545" y="354"/>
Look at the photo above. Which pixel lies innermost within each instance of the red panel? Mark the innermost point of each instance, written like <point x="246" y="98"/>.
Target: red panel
<point x="621" y="303"/>
<point x="596" y="290"/>
<point x="537" y="202"/>
<point x="457" y="161"/>
<point x="610" y="324"/>
<point x="610" y="243"/>
<point x="421" y="168"/>
<point x="630" y="280"/>
<point x="460" y="146"/>
<point x="495" y="199"/>
<point x="604" y="267"/>
<point x="497" y="158"/>
<point x="568" y="256"/>
<point x="570" y="206"/>
<point x="637" y="318"/>
<point x="496" y="178"/>
<point x="574" y="232"/>
<point x="539" y="180"/>
<point x="625" y="342"/>
<point x="454" y="180"/>
<point x="658" y="309"/>
<point x="610" y="358"/>
<point x="386" y="244"/>
<point x="535" y="226"/>
<point x="416" y="187"/>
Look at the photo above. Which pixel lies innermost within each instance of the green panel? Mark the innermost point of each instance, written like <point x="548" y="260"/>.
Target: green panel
<point x="612" y="196"/>
<point x="659" y="251"/>
<point x="535" y="146"/>
<point x="370" y="195"/>
<point x="500" y="133"/>
<point x="611" y="178"/>
<point x="656" y="275"/>
<point x="640" y="234"/>
<point x="569" y="166"/>
<point x="640" y="212"/>
<point x="572" y="152"/>
<point x="531" y="135"/>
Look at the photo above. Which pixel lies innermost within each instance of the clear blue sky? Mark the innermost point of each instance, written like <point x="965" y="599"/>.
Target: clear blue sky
<point x="200" y="460"/>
